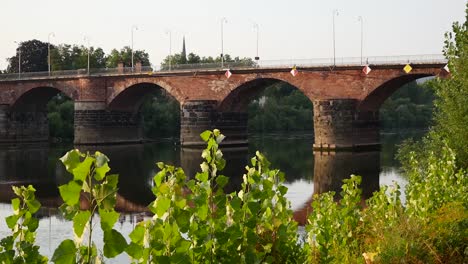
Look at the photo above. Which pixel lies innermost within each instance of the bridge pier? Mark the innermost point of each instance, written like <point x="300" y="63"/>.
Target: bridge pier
<point x="26" y="125"/>
<point x="339" y="125"/>
<point x="94" y="124"/>
<point x="200" y="115"/>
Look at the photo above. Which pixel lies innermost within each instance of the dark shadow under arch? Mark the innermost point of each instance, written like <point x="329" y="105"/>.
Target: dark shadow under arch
<point x="239" y="98"/>
<point x="35" y="99"/>
<point x="376" y="98"/>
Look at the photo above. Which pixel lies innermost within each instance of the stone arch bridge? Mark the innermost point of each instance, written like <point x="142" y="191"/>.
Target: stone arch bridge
<point x="346" y="101"/>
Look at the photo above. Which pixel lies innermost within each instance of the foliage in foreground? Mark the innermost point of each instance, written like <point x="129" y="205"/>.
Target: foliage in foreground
<point x="196" y="222"/>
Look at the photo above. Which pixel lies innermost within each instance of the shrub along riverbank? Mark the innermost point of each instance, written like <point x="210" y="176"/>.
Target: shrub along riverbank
<point x="196" y="222"/>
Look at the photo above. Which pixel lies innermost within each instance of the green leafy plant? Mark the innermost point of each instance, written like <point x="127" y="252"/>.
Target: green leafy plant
<point x="97" y="191"/>
<point x="333" y="229"/>
<point x="20" y="246"/>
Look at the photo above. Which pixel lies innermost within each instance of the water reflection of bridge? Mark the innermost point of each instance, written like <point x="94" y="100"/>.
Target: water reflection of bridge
<point x="136" y="166"/>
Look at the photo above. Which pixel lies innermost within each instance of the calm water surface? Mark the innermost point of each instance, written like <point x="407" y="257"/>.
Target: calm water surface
<point x="307" y="172"/>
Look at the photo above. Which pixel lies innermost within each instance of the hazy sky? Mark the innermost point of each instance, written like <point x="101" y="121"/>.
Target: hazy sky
<point x="300" y="29"/>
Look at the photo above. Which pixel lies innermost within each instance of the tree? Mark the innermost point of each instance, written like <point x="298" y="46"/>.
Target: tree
<point x="451" y="116"/>
<point x="73" y="57"/>
<point x="451" y="105"/>
<point x="34" y="55"/>
<point x="125" y="56"/>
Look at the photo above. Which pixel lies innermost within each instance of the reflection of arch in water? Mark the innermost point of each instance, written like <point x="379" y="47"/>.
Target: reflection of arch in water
<point x="331" y="168"/>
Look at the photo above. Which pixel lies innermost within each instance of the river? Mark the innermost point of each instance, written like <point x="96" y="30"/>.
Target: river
<point x="307" y="172"/>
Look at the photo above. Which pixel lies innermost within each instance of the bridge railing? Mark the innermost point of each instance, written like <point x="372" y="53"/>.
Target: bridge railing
<point x="325" y="62"/>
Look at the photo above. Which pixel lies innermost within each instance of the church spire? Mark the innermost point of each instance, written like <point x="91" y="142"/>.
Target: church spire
<point x="184" y="52"/>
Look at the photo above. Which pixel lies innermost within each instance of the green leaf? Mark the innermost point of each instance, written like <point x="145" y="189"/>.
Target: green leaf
<point x="108" y="218"/>
<point x="203" y="177"/>
<point x="114" y="243"/>
<point x="33" y="224"/>
<point x="283" y="189"/>
<point x="100" y="172"/>
<point x="82" y="170"/>
<point x="161" y="205"/>
<point x="206" y="135"/>
<point x="11" y="220"/>
<point x="70" y="192"/>
<point x="15" y="203"/>
<point x="71" y="159"/>
<point x="135" y="251"/>
<point x="101" y="159"/>
<point x="65" y="253"/>
<point x="33" y="205"/>
<point x="79" y="222"/>
<point x="222" y="180"/>
<point x="137" y="234"/>
<point x="112" y="180"/>
<point x="254" y="207"/>
<point x="202" y="212"/>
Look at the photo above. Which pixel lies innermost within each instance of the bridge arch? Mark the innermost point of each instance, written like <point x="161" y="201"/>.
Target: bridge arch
<point x="36" y="98"/>
<point x="129" y="95"/>
<point x="27" y="118"/>
<point x="373" y="101"/>
<point x="240" y="97"/>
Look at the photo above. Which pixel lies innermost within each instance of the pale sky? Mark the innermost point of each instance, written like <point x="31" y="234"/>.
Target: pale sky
<point x="300" y="29"/>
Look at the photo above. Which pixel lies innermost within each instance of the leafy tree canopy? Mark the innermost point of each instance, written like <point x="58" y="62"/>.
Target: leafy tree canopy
<point x="33" y="57"/>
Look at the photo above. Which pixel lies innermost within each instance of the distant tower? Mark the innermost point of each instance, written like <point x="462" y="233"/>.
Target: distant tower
<point x="184" y="52"/>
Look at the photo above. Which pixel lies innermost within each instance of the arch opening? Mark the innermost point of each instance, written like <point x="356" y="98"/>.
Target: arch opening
<point x="155" y="109"/>
<point x="41" y="114"/>
<point x="404" y="103"/>
<point x="271" y="106"/>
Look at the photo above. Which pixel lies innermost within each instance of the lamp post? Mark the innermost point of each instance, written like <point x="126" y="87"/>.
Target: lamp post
<point x="362" y="34"/>
<point x="335" y="13"/>
<point x="19" y="59"/>
<point x="133" y="28"/>
<point x="86" y="39"/>
<point x="169" y="33"/>
<point x="223" y="20"/>
<point x="51" y="34"/>
<point x="257" y="29"/>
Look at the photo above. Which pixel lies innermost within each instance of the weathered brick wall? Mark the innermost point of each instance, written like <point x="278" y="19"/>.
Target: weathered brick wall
<point x="200" y="115"/>
<point x="100" y="126"/>
<point x="23" y="126"/>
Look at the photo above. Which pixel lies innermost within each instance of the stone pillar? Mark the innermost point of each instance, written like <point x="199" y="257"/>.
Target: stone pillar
<point x="196" y="117"/>
<point x="331" y="168"/>
<point x="23" y="126"/>
<point x="96" y="125"/>
<point x="338" y="125"/>
<point x="200" y="115"/>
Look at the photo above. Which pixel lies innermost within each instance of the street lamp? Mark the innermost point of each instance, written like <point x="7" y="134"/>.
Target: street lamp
<point x="335" y="13"/>
<point x="362" y="34"/>
<point x="223" y="20"/>
<point x="257" y="29"/>
<point x="133" y="28"/>
<point x="169" y="33"/>
<point x="19" y="59"/>
<point x="86" y="39"/>
<point x="51" y="34"/>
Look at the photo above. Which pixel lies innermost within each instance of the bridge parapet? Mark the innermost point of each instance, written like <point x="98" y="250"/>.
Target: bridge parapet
<point x="235" y="65"/>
